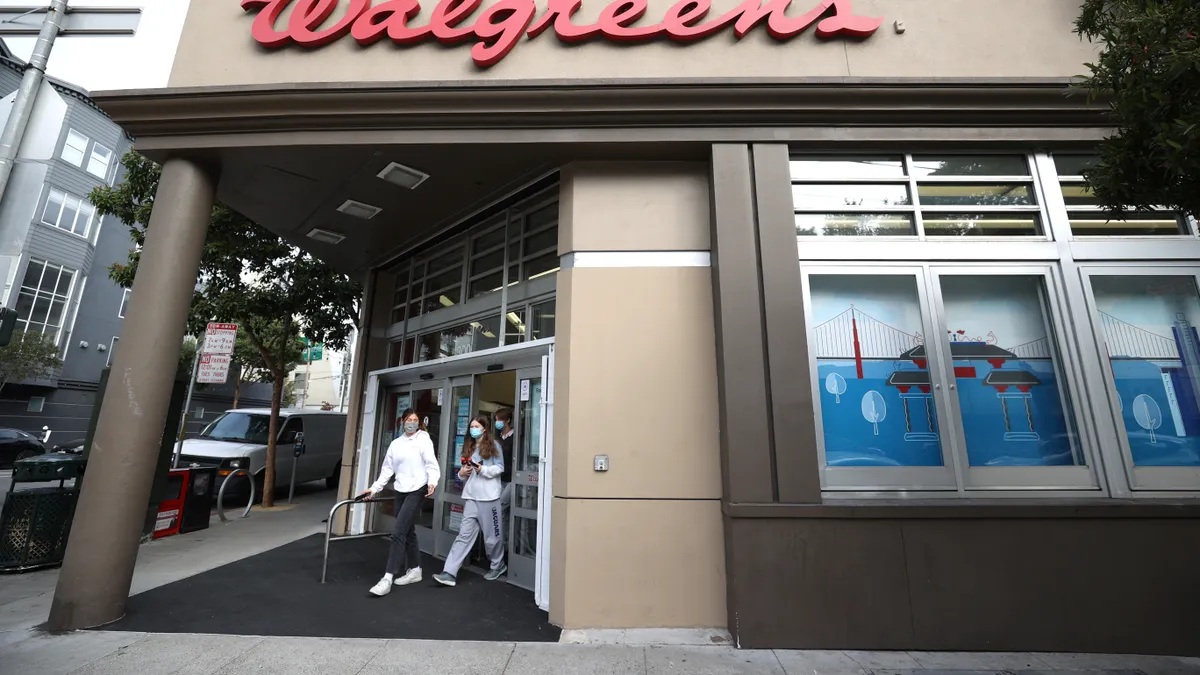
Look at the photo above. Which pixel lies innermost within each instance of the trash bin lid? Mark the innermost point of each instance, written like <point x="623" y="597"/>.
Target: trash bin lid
<point x="48" y="467"/>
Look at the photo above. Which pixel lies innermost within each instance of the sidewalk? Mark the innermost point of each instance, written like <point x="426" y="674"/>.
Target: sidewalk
<point x="105" y="653"/>
<point x="25" y="598"/>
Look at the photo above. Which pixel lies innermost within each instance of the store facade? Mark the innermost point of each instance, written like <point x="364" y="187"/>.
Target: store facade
<point x="721" y="234"/>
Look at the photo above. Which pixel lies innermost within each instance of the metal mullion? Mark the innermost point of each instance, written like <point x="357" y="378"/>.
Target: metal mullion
<point x="918" y="219"/>
<point x="976" y="208"/>
<point x="538" y="254"/>
<point x="897" y="180"/>
<point x="855" y="209"/>
<point x="544" y="228"/>
<point x="486" y="252"/>
<point x="508" y="221"/>
<point x="481" y="275"/>
<point x="974" y="179"/>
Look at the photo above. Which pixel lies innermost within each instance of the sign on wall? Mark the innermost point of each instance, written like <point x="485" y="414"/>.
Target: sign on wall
<point x="499" y="27"/>
<point x="213" y="368"/>
<point x="219" y="338"/>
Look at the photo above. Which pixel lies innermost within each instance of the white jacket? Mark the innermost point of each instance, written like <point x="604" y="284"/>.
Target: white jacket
<point x="484" y="485"/>
<point x="412" y="461"/>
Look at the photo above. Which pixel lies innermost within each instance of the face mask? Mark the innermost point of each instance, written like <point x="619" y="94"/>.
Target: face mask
<point x="476" y="432"/>
<point x="499" y="425"/>
<point x="411" y="427"/>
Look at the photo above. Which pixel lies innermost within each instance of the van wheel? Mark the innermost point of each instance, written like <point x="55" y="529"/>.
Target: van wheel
<point x="331" y="481"/>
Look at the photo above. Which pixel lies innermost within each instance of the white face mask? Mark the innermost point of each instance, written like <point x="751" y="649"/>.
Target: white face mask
<point x="411" y="427"/>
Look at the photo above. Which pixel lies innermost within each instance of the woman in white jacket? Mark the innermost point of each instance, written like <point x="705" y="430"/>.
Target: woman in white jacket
<point x="412" y="462"/>
<point x="483" y="462"/>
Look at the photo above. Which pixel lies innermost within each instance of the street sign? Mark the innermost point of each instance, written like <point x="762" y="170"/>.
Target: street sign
<point x="214" y="369"/>
<point x="78" y="21"/>
<point x="314" y="353"/>
<point x="220" y="338"/>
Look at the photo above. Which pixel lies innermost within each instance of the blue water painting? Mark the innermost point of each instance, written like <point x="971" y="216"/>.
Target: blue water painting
<point x="1176" y="440"/>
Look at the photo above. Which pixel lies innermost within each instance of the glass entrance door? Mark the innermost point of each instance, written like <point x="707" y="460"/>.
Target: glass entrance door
<point x="523" y="523"/>
<point x="426" y="400"/>
<point x="449" y="501"/>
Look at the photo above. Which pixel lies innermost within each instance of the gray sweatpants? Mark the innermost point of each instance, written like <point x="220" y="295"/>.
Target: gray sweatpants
<point x="476" y="516"/>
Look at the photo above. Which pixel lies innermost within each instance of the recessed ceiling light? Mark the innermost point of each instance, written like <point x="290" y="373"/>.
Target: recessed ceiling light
<point x="404" y="176"/>
<point x="359" y="209"/>
<point x="325" y="236"/>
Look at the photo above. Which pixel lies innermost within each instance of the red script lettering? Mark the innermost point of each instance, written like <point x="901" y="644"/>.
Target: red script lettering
<point x="500" y="26"/>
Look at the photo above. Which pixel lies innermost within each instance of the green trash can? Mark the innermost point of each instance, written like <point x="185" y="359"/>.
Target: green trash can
<point x="36" y="522"/>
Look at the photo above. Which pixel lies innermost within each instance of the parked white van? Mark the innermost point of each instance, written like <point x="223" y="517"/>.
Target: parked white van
<point x="238" y="440"/>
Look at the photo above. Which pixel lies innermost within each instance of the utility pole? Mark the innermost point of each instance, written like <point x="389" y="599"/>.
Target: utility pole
<point x="22" y="107"/>
<point x="58" y="20"/>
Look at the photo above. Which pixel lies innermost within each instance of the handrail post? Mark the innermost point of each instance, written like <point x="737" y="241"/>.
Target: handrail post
<point x="329" y="527"/>
<point x="221" y="495"/>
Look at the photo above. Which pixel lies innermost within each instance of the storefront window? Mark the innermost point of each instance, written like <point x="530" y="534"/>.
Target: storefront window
<point x="1010" y="391"/>
<point x="543" y="320"/>
<point x="877" y="406"/>
<point x="1087" y="220"/>
<point x="1153" y="354"/>
<point x="915" y="195"/>
<point x="515" y="329"/>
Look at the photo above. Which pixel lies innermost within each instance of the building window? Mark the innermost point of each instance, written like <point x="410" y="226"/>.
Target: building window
<point x="124" y="303"/>
<point x="199" y="412"/>
<point x="100" y="161"/>
<point x="300" y="380"/>
<point x="42" y="302"/>
<point x="68" y="212"/>
<point x="542" y="325"/>
<point x="915" y="196"/>
<point x="112" y="352"/>
<point x="36" y="404"/>
<point x="1086" y="218"/>
<point x="471" y="336"/>
<point x="74" y="148"/>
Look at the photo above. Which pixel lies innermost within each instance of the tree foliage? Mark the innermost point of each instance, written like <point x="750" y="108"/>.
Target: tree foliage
<point x="248" y="276"/>
<point x="248" y="358"/>
<point x="28" y="356"/>
<point x="1150" y="71"/>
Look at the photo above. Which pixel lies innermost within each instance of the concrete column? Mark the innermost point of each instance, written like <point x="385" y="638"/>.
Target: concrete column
<point x="93" y="585"/>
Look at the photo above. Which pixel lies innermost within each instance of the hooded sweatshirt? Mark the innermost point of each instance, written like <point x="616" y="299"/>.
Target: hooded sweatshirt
<point x="484" y="485"/>
<point x="412" y="461"/>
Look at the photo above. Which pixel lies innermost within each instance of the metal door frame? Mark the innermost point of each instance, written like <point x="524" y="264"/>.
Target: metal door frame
<point x="446" y="454"/>
<point x="522" y="570"/>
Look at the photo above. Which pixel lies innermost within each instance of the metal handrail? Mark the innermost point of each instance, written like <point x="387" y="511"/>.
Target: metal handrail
<point x="329" y="529"/>
<point x="221" y="494"/>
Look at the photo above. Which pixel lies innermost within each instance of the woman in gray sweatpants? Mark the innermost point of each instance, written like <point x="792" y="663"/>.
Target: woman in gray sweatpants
<point x="483" y="462"/>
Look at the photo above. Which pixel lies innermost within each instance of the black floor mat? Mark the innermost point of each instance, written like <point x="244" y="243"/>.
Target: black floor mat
<point x="279" y="593"/>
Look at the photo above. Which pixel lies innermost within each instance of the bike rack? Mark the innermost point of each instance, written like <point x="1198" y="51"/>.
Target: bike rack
<point x="221" y="494"/>
<point x="329" y="529"/>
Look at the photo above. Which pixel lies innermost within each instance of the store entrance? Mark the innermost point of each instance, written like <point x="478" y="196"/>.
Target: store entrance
<point x="446" y="397"/>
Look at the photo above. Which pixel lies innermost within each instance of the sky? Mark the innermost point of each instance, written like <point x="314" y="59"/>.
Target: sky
<point x="104" y="63"/>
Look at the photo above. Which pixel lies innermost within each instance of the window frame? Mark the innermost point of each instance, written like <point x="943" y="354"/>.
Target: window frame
<point x="123" y="309"/>
<point x="62" y="207"/>
<point x="83" y="152"/>
<point x="25" y="323"/>
<point x="108" y="163"/>
<point x="112" y="350"/>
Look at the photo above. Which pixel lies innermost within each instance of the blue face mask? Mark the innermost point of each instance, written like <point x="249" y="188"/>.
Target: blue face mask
<point x="476" y="432"/>
<point x="499" y="425"/>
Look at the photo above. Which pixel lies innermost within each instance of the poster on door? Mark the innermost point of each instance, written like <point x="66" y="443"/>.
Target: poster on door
<point x="456" y="516"/>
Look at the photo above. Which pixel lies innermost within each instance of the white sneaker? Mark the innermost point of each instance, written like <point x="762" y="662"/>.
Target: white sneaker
<point x="382" y="588"/>
<point x="410" y="577"/>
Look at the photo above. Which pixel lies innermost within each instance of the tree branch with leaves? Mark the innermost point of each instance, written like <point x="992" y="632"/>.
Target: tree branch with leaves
<point x="250" y="276"/>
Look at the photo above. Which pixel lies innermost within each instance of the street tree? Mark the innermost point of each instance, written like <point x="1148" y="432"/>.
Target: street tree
<point x="248" y="276"/>
<point x="248" y="358"/>
<point x="1149" y="71"/>
<point x="28" y="356"/>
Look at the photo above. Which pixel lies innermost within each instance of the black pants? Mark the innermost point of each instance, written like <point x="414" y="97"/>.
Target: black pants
<point x="404" y="552"/>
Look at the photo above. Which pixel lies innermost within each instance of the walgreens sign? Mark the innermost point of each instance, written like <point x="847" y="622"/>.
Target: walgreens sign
<point x="498" y="29"/>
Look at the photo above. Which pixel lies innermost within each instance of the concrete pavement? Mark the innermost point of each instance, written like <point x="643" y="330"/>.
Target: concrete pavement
<point x="25" y="598"/>
<point x="111" y="653"/>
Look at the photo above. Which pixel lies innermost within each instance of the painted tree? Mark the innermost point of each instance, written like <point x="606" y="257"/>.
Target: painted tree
<point x="28" y="356"/>
<point x="248" y="276"/>
<point x="1149" y="70"/>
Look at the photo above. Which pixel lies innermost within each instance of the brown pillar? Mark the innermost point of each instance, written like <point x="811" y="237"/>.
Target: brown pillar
<point x="358" y="380"/>
<point x="94" y="582"/>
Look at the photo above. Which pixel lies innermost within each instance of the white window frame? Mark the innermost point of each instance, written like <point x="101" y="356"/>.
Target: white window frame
<point x="64" y="198"/>
<point x="38" y="407"/>
<point x="93" y="159"/>
<point x="112" y="349"/>
<point x="67" y="144"/>
<point x="123" y="309"/>
<point x="24" y="323"/>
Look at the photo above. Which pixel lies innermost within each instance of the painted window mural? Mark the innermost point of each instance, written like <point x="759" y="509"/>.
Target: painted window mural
<point x="877" y="407"/>
<point x="1009" y="384"/>
<point x="1153" y="353"/>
